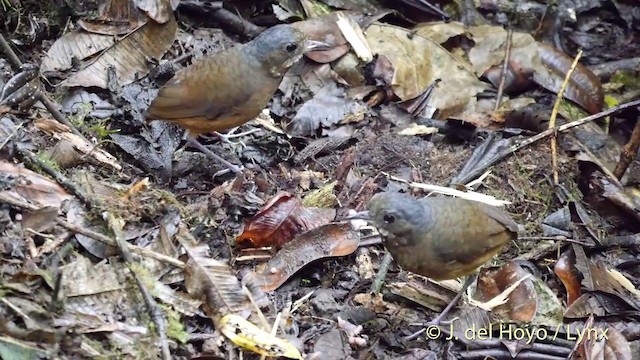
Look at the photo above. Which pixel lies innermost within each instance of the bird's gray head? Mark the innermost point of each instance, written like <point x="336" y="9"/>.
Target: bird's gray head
<point x="281" y="46"/>
<point x="398" y="214"/>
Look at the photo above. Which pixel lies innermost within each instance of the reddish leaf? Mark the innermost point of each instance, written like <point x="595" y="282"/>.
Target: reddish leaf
<point x="327" y="241"/>
<point x="566" y="270"/>
<point x="282" y="219"/>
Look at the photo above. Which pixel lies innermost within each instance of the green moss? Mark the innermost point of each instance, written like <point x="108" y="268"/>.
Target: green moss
<point x="44" y="158"/>
<point x="100" y="129"/>
<point x="175" y="328"/>
<point x="625" y="79"/>
<point x="82" y="112"/>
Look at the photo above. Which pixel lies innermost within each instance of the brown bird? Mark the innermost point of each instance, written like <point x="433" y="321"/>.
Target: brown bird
<point x="440" y="237"/>
<point x="232" y="86"/>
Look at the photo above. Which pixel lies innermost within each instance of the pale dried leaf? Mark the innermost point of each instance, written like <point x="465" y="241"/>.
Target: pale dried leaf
<point x="31" y="187"/>
<point x="159" y="10"/>
<point x="129" y="57"/>
<point x="620" y="278"/>
<point x="181" y="302"/>
<point x="79" y="45"/>
<point x="91" y="150"/>
<point x="215" y="283"/>
<point x="353" y="34"/>
<point x="416" y="129"/>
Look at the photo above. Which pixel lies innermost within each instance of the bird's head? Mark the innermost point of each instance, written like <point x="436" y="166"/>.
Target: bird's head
<point x="281" y="46"/>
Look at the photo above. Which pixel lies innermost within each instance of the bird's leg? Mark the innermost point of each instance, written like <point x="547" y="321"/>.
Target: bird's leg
<point x="230" y="167"/>
<point x="438" y="319"/>
<point x="467" y="282"/>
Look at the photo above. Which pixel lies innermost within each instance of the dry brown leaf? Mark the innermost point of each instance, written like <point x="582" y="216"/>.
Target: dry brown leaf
<point x="215" y="283"/>
<point x="114" y="17"/>
<point x="159" y="10"/>
<point x="74" y="45"/>
<point x="523" y="301"/>
<point x="326" y="241"/>
<point x="418" y="61"/>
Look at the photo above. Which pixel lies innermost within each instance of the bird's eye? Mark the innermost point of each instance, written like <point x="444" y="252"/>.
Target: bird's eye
<point x="389" y="219"/>
<point x="291" y="48"/>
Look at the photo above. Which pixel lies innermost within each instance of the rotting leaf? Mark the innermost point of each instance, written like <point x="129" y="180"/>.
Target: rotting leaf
<point x="325" y="109"/>
<point x="548" y="65"/>
<point x="523" y="301"/>
<point x="330" y="240"/>
<point x="602" y="280"/>
<point x="281" y="220"/>
<point x="588" y="304"/>
<point x="116" y="18"/>
<point x="215" y="283"/>
<point x="40" y="220"/>
<point x="250" y="337"/>
<point x="78" y="216"/>
<point x="159" y="10"/>
<point x="617" y="346"/>
<point x="602" y="342"/>
<point x="32" y="187"/>
<point x="129" y="57"/>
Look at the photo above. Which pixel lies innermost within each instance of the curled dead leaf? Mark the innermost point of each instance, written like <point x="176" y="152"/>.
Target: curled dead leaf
<point x="567" y="273"/>
<point x="326" y="241"/>
<point x="584" y="87"/>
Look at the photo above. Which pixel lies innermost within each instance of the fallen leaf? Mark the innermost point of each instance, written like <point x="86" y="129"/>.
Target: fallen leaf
<point x="129" y="57"/>
<point x="280" y="220"/>
<point x="326" y="241"/>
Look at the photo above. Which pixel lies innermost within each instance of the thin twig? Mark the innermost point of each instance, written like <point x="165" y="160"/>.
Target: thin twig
<point x="95" y="235"/>
<point x="562" y="128"/>
<point x="556" y="238"/>
<point x="382" y="272"/>
<point x="6" y="49"/>
<point x="505" y="68"/>
<point x="554" y="115"/>
<point x="157" y="316"/>
<point x="59" y="177"/>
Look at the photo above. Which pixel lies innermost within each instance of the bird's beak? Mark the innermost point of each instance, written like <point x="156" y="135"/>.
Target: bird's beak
<point x="312" y="45"/>
<point x="362" y="215"/>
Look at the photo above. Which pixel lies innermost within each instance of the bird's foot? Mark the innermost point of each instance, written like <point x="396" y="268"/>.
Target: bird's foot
<point x="231" y="134"/>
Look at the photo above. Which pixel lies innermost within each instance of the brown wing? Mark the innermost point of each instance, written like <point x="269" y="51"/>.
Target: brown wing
<point x="209" y="89"/>
<point x="469" y="232"/>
